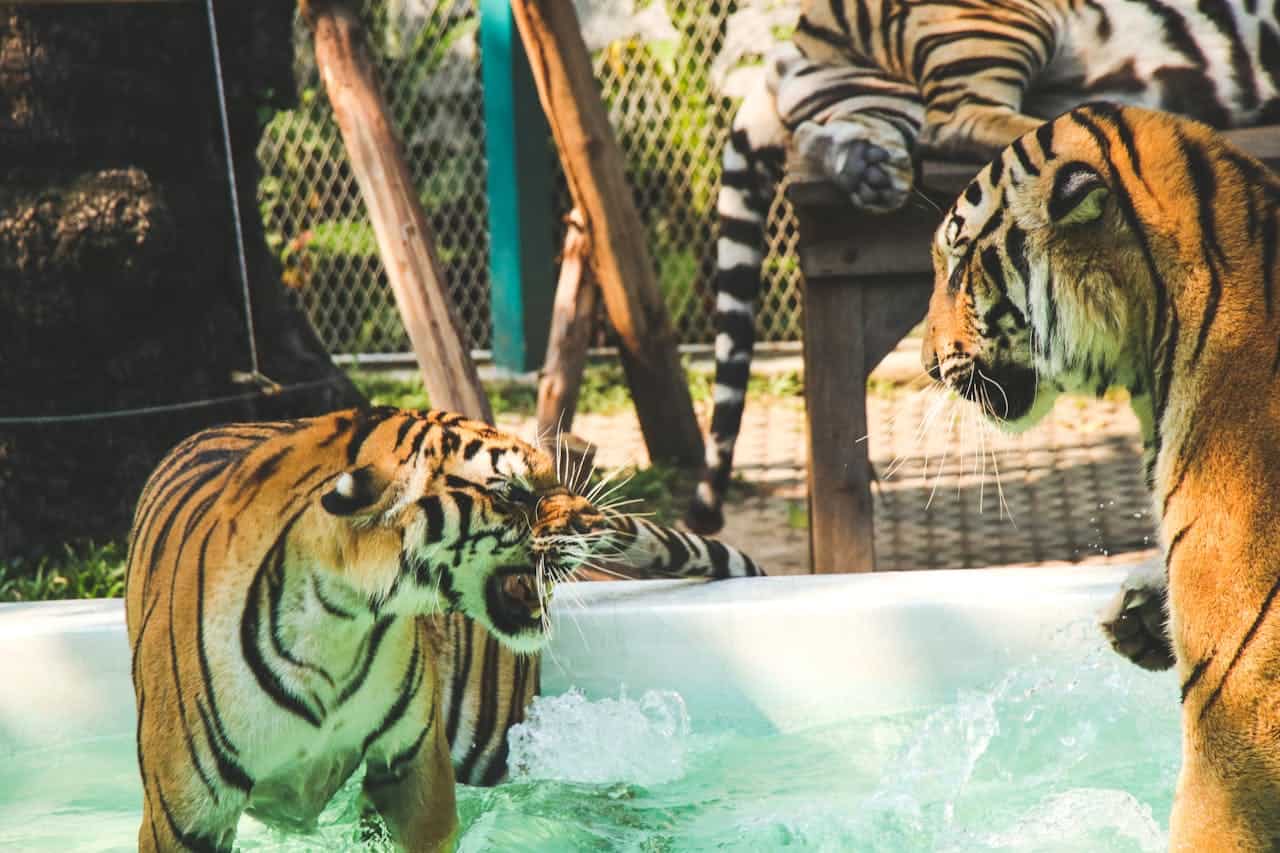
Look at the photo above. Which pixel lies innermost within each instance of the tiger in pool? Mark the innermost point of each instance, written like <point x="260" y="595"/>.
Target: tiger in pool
<point x="1124" y="247"/>
<point x="282" y="589"/>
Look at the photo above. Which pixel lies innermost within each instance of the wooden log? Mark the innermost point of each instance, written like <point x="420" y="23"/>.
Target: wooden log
<point x="400" y="224"/>
<point x="573" y="320"/>
<point x="620" y="260"/>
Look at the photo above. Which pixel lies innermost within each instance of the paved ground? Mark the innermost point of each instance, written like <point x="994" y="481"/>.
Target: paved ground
<point x="1068" y="491"/>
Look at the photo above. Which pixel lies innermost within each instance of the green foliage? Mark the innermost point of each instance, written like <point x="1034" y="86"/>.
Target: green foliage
<point x="780" y="385"/>
<point x="797" y="515"/>
<point x="604" y="389"/>
<point x="313" y="215"/>
<point x="384" y="390"/>
<point x="407" y="393"/>
<point x="654" y="492"/>
<point x="80" y="570"/>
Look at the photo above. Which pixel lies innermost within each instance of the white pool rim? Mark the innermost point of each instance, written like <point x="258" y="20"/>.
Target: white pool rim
<point x="784" y="652"/>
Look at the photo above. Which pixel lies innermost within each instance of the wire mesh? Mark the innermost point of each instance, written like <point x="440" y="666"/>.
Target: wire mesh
<point x="667" y="71"/>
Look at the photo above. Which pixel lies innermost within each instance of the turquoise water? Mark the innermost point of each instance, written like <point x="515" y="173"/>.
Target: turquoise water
<point x="1074" y="752"/>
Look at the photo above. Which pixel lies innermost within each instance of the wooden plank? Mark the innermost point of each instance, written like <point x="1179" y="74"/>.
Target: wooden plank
<point x="841" y="532"/>
<point x="399" y="222"/>
<point x="620" y="259"/>
<point x="894" y="304"/>
<point x="841" y="241"/>
<point x="519" y="194"/>
<point x="572" y="324"/>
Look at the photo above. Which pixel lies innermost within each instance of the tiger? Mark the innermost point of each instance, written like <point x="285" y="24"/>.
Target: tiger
<point x="486" y="688"/>
<point x="863" y="89"/>
<point x="279" y="585"/>
<point x="1119" y="246"/>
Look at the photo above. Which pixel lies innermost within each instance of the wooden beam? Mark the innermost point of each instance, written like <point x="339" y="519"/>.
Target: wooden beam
<point x="573" y="320"/>
<point x="518" y="153"/>
<point x="620" y="259"/>
<point x="841" y="532"/>
<point x="400" y="224"/>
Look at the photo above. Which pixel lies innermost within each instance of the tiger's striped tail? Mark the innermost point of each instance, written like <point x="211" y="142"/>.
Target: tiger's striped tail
<point x="649" y="550"/>
<point x="752" y="169"/>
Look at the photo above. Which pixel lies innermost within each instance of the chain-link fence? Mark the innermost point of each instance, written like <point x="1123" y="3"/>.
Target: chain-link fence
<point x="669" y="70"/>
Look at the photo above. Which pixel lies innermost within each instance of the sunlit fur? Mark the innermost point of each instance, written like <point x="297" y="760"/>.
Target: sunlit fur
<point x="864" y="88"/>
<point x="279" y="583"/>
<point x="1136" y="249"/>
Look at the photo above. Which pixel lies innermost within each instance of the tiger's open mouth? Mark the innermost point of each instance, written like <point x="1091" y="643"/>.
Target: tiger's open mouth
<point x="513" y="601"/>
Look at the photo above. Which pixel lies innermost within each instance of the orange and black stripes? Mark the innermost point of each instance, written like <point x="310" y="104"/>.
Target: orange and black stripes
<point x="965" y="78"/>
<point x="1149" y="259"/>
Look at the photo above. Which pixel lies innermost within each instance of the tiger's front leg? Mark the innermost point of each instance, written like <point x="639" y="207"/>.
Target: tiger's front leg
<point x="409" y="776"/>
<point x="972" y="132"/>
<point x="178" y="816"/>
<point x="1135" y="621"/>
<point x="857" y="125"/>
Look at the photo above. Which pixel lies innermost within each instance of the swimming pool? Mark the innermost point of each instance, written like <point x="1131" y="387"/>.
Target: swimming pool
<point x="902" y="711"/>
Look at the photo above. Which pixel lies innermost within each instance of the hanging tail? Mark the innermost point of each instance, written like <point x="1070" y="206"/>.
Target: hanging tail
<point x="752" y="161"/>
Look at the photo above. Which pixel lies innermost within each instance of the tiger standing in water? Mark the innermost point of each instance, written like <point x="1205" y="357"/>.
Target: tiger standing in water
<point x="1123" y="247"/>
<point x="864" y="88"/>
<point x="487" y="687"/>
<point x="282" y="585"/>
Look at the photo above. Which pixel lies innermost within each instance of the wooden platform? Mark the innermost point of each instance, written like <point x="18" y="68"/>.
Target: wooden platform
<point x="867" y="283"/>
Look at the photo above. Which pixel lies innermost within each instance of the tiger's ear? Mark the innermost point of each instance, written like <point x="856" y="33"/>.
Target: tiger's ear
<point x="354" y="491"/>
<point x="1079" y="194"/>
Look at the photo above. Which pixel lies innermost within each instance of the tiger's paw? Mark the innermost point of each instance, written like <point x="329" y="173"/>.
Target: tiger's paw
<point x="864" y="159"/>
<point x="1134" y="621"/>
<point x="704" y="516"/>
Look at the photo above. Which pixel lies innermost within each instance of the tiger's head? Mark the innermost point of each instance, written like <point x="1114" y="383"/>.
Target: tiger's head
<point x="434" y="512"/>
<point x="1042" y="278"/>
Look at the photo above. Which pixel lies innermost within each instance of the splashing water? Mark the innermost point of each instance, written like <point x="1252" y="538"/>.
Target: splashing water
<point x="1078" y="751"/>
<point x="1075" y="751"/>
<point x="571" y="739"/>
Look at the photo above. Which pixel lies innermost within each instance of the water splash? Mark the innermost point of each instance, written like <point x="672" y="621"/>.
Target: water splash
<point x="570" y="739"/>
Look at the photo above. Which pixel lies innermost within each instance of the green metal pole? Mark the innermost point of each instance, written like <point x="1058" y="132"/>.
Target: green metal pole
<point x="521" y="259"/>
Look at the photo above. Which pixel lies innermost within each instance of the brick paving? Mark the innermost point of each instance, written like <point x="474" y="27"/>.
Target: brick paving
<point x="1068" y="491"/>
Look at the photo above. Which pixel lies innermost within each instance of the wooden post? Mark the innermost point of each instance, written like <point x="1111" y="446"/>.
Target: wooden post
<point x="572" y="323"/>
<point x="399" y="222"/>
<point x="520" y="194"/>
<point x="620" y="260"/>
<point x="860" y="298"/>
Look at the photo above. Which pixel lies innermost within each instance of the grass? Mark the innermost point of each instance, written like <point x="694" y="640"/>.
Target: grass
<point x="653" y="493"/>
<point x="80" y="570"/>
<point x="386" y="390"/>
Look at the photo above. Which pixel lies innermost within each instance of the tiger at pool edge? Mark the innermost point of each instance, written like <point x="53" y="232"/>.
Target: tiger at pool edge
<point x="369" y="500"/>
<point x="487" y="688"/>
<point x="864" y="89"/>
<point x="1117" y="246"/>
